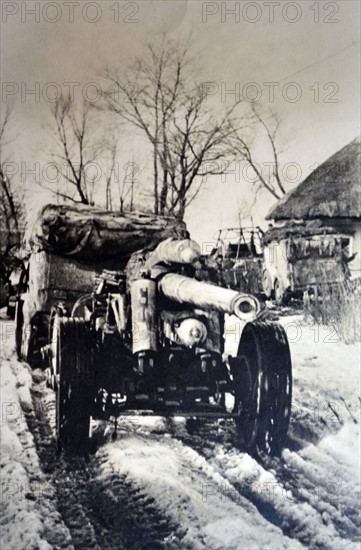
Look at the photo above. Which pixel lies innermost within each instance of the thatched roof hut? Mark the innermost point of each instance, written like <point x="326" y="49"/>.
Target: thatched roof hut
<point x="333" y="190"/>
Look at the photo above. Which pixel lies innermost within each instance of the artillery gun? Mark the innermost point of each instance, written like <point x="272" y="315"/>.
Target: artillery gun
<point x="150" y="339"/>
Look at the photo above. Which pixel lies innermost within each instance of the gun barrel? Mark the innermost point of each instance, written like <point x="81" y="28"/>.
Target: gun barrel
<point x="177" y="251"/>
<point x="184" y="290"/>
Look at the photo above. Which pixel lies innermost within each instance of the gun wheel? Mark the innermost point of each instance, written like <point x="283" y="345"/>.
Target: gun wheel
<point x="73" y="386"/>
<point x="262" y="382"/>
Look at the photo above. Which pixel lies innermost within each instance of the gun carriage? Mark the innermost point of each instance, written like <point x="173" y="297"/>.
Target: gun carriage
<point x="149" y="339"/>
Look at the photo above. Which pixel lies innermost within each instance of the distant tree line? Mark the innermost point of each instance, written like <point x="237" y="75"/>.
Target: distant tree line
<point x="188" y="136"/>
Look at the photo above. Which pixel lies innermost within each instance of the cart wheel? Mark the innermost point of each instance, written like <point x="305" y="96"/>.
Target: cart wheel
<point x="19" y="323"/>
<point x="278" y="292"/>
<point x="34" y="337"/>
<point x="73" y="382"/>
<point x="267" y="284"/>
<point x="242" y="283"/>
<point x="54" y="356"/>
<point x="10" y="307"/>
<point x="262" y="381"/>
<point x="253" y="286"/>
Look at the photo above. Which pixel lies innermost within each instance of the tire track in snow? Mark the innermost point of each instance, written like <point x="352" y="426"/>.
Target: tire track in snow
<point x="319" y="523"/>
<point x="101" y="513"/>
<point x="179" y="479"/>
<point x="290" y="492"/>
<point x="215" y="445"/>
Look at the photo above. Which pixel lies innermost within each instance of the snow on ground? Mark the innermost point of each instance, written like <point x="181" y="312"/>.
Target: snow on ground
<point x="325" y="369"/>
<point x="191" y="491"/>
<point x="310" y="496"/>
<point x="326" y="372"/>
<point x="220" y="497"/>
<point x="28" y="507"/>
<point x="312" y="492"/>
<point x="316" y="486"/>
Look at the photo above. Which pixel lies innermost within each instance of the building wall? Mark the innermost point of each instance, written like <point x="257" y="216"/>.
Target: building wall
<point x="275" y="253"/>
<point x="355" y="245"/>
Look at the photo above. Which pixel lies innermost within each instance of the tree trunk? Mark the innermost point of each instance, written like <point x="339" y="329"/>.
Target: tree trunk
<point x="164" y="194"/>
<point x="181" y="209"/>
<point x="155" y="169"/>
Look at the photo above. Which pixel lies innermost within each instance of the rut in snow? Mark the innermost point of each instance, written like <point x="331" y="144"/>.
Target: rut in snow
<point x="100" y="514"/>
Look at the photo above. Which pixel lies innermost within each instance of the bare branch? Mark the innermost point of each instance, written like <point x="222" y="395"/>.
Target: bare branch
<point x="170" y="110"/>
<point x="73" y="135"/>
<point x="243" y="150"/>
<point x="11" y="212"/>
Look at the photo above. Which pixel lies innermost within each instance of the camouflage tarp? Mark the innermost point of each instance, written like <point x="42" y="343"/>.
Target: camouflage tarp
<point x="88" y="233"/>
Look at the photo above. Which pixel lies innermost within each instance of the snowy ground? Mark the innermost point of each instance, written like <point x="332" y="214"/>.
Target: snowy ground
<point x="163" y="485"/>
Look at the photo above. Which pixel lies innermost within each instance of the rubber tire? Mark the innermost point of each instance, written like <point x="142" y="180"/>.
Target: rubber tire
<point x="74" y="388"/>
<point x="262" y="377"/>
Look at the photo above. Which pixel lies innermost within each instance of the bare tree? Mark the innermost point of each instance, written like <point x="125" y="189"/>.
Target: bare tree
<point x="74" y="131"/>
<point x="119" y="189"/>
<point x="112" y="149"/>
<point x="10" y="198"/>
<point x="244" y="149"/>
<point x="197" y="147"/>
<point x="158" y="95"/>
<point x="128" y="186"/>
<point x="8" y="203"/>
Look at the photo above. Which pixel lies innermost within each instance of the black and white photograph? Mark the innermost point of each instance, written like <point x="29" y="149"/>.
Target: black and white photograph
<point x="180" y="275"/>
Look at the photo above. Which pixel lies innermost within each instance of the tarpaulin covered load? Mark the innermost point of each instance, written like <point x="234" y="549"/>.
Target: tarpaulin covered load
<point x="68" y="246"/>
<point x="294" y="230"/>
<point x="88" y="233"/>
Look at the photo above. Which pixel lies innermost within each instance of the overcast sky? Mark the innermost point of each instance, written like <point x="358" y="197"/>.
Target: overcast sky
<point x="312" y="44"/>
